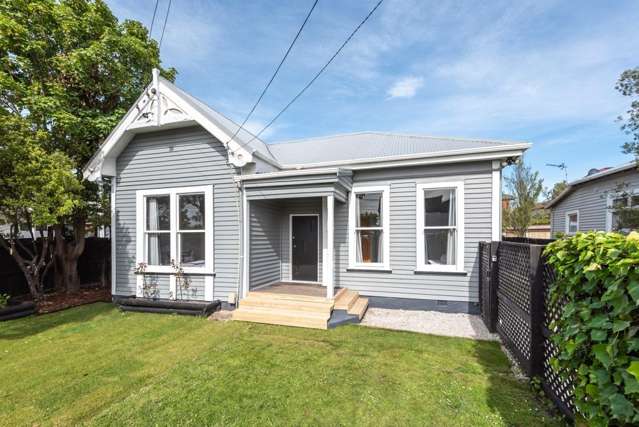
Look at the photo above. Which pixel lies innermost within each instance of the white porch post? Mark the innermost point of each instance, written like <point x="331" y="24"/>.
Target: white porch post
<point x="329" y="254"/>
<point x="245" y="244"/>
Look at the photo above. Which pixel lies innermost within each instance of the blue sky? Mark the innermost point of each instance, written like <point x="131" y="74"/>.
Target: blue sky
<point x="537" y="71"/>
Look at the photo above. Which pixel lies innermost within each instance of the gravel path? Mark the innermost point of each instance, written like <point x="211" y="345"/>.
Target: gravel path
<point x="429" y="322"/>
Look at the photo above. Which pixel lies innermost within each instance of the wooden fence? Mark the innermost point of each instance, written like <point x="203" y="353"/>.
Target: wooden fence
<point x="94" y="266"/>
<point x="514" y="301"/>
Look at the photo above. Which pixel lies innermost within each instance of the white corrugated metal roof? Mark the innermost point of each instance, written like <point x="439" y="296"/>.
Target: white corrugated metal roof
<point x="371" y="145"/>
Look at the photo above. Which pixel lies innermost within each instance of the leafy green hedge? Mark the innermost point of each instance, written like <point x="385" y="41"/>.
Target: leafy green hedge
<point x="597" y="275"/>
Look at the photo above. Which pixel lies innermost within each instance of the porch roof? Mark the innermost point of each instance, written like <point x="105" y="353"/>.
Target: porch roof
<point x="298" y="183"/>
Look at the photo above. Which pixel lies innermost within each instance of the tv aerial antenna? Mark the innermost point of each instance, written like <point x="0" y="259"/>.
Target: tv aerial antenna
<point x="561" y="166"/>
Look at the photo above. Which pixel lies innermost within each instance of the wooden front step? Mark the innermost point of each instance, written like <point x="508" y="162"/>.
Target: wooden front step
<point x="278" y="318"/>
<point x="346" y="300"/>
<point x="298" y="310"/>
<point x="285" y="309"/>
<point x="359" y="308"/>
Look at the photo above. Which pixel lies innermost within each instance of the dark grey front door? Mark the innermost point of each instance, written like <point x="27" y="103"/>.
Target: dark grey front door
<point x="304" y="248"/>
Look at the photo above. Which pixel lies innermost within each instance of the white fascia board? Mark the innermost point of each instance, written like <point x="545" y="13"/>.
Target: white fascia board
<point x="290" y="173"/>
<point x="490" y="153"/>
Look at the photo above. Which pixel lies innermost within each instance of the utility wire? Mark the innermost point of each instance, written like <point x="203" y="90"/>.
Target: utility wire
<point x="166" y="17"/>
<point x="155" y="9"/>
<point x="290" y="47"/>
<point x="301" y="92"/>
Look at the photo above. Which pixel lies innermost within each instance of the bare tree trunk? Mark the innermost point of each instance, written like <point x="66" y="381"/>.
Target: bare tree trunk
<point x="67" y="254"/>
<point x="36" y="262"/>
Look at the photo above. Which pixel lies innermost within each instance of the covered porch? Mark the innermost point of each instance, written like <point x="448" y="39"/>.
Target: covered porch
<point x="288" y="257"/>
<point x="288" y="228"/>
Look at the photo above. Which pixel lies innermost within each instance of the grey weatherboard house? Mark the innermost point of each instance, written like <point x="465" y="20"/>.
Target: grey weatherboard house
<point x="587" y="204"/>
<point x="396" y="218"/>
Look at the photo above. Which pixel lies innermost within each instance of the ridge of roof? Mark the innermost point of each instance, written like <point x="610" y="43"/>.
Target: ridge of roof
<point x="394" y="134"/>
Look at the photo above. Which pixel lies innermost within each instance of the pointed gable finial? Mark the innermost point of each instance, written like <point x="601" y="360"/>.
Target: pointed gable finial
<point x="156" y="79"/>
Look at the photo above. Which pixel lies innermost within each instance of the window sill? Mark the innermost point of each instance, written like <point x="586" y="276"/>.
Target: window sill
<point x="188" y="272"/>
<point x="381" y="269"/>
<point x="440" y="271"/>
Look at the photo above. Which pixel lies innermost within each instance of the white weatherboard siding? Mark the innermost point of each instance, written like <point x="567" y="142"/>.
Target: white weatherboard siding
<point x="169" y="159"/>
<point x="403" y="281"/>
<point x="590" y="199"/>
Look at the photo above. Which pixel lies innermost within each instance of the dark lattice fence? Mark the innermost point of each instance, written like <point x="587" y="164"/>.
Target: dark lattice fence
<point x="515" y="283"/>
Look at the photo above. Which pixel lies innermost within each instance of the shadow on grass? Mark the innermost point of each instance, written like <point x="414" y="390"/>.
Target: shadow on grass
<point x="28" y="326"/>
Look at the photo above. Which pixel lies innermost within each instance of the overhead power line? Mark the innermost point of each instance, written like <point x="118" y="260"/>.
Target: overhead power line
<point x="166" y="17"/>
<point x="155" y="9"/>
<point x="290" y="47"/>
<point x="319" y="73"/>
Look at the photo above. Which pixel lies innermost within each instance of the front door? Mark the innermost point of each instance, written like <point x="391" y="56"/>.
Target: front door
<point x="304" y="247"/>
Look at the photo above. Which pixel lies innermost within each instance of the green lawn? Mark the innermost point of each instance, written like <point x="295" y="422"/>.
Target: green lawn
<point x="95" y="365"/>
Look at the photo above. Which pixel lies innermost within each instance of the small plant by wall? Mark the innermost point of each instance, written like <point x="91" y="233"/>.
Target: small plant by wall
<point x="597" y="276"/>
<point x="182" y="281"/>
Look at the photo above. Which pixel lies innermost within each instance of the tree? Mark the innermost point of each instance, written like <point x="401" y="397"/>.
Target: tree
<point x="36" y="189"/>
<point x="526" y="187"/>
<point x="70" y="70"/>
<point x="628" y="85"/>
<point x="557" y="189"/>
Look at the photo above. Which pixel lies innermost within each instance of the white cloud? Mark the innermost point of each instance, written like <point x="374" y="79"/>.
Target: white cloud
<point x="405" y="87"/>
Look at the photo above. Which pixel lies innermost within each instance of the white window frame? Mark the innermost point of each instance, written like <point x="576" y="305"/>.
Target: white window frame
<point x="421" y="265"/>
<point x="173" y="194"/>
<point x="352" y="220"/>
<point x="609" y="200"/>
<point x="567" y="225"/>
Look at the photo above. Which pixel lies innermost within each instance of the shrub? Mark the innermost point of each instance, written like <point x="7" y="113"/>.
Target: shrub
<point x="4" y="300"/>
<point x="597" y="276"/>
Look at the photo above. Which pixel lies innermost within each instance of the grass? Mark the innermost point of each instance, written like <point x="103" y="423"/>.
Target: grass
<point x="95" y="365"/>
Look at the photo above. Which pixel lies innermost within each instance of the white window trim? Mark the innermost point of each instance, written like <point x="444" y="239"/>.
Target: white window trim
<point x="421" y="265"/>
<point x="208" y="227"/>
<point x="567" y="225"/>
<point x="611" y="196"/>
<point x="352" y="217"/>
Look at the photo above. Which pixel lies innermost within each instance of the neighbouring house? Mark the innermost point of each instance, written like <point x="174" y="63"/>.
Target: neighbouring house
<point x="589" y="202"/>
<point x="393" y="218"/>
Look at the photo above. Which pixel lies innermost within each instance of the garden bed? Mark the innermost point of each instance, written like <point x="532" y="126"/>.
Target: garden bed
<point x="60" y="301"/>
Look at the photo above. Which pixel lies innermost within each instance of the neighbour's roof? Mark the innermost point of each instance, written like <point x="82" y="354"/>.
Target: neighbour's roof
<point x="604" y="172"/>
<point x="375" y="145"/>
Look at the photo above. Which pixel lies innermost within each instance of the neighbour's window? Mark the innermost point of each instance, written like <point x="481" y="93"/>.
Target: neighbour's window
<point x="176" y="227"/>
<point x="621" y="201"/>
<point x="369" y="224"/>
<point x="572" y="222"/>
<point x="439" y="227"/>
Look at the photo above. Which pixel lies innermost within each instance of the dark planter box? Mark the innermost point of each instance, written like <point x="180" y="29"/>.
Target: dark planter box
<point x="15" y="311"/>
<point x="149" y="305"/>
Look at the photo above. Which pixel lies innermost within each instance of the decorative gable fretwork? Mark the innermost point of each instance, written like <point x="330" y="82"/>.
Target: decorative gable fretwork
<point x="154" y="110"/>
